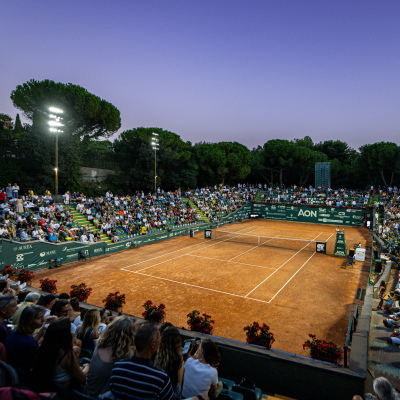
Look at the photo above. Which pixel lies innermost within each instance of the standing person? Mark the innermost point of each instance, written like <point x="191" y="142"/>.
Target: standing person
<point x="9" y="191"/>
<point x="381" y="293"/>
<point x="15" y="190"/>
<point x="19" y="205"/>
<point x="66" y="200"/>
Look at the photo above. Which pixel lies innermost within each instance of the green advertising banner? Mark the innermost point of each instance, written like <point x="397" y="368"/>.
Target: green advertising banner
<point x="316" y="215"/>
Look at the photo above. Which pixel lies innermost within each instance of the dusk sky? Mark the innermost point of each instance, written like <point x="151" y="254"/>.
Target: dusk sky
<point x="221" y="70"/>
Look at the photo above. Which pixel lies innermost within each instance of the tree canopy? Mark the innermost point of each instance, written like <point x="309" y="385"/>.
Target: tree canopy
<point x="84" y="114"/>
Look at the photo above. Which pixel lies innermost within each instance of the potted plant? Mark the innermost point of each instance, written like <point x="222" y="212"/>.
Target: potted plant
<point x="81" y="291"/>
<point x="10" y="271"/>
<point x="323" y="350"/>
<point x="259" y="335"/>
<point x="25" y="275"/>
<point x="200" y="322"/>
<point x="48" y="285"/>
<point x="114" y="301"/>
<point x="149" y="307"/>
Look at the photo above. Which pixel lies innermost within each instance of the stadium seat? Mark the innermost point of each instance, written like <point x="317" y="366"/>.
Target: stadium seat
<point x="8" y="375"/>
<point x="229" y="395"/>
<point x="227" y="383"/>
<point x="248" y="394"/>
<point x="83" y="255"/>
<point x="76" y="395"/>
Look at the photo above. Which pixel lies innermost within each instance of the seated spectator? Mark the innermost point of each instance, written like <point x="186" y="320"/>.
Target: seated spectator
<point x="47" y="302"/>
<point x="88" y="331"/>
<point x="24" y="236"/>
<point x="116" y="343"/>
<point x="8" y="307"/>
<point x="56" y="361"/>
<point x="21" y="346"/>
<point x="383" y="390"/>
<point x="169" y="358"/>
<point x="53" y="238"/>
<point x="30" y="298"/>
<point x="200" y="370"/>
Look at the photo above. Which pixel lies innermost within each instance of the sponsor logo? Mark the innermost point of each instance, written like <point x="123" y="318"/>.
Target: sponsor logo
<point x="20" y="257"/>
<point x="128" y="244"/>
<point x="97" y="250"/>
<point x="341" y="213"/>
<point x="65" y="248"/>
<point x="48" y="253"/>
<point x="24" y="247"/>
<point x="324" y="215"/>
<point x="340" y="253"/>
<point x="307" y="213"/>
<point x="72" y="255"/>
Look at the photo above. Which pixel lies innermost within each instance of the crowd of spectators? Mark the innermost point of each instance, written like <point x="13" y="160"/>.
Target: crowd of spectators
<point x="54" y="346"/>
<point x="33" y="217"/>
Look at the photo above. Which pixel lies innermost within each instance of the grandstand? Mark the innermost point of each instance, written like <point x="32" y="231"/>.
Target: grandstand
<point x="239" y="245"/>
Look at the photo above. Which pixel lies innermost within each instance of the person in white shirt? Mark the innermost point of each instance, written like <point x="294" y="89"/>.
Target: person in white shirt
<point x="83" y="238"/>
<point x="201" y="375"/>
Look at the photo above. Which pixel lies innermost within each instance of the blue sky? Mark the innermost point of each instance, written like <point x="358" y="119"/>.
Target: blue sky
<point x="246" y="71"/>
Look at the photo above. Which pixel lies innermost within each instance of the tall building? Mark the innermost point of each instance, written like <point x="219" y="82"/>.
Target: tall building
<point x="323" y="174"/>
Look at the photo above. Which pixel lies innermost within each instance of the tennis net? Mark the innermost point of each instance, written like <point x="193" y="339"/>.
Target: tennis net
<point x="282" y="243"/>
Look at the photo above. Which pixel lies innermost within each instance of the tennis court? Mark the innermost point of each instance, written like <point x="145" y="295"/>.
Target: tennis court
<point x="259" y="270"/>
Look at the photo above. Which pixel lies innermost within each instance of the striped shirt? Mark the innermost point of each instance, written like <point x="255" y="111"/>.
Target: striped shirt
<point x="139" y="379"/>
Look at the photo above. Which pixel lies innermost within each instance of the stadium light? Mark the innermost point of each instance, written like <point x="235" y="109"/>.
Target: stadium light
<point x="154" y="146"/>
<point x="55" y="122"/>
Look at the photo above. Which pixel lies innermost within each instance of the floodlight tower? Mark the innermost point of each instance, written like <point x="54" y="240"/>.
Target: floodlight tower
<point x="55" y="123"/>
<point x="154" y="146"/>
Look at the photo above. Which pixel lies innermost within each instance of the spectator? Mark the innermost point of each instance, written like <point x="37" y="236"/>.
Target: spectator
<point x="137" y="377"/>
<point x="21" y="346"/>
<point x="200" y="372"/>
<point x="88" y="331"/>
<point x="169" y="358"/>
<point x="48" y="302"/>
<point x="31" y="298"/>
<point x="56" y="361"/>
<point x="383" y="390"/>
<point x="15" y="189"/>
<point x="116" y="343"/>
<point x="8" y="306"/>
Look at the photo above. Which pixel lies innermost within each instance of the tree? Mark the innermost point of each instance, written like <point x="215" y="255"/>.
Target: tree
<point x="85" y="115"/>
<point x="279" y="155"/>
<point x="175" y="166"/>
<point x="380" y="160"/>
<point x="223" y="162"/>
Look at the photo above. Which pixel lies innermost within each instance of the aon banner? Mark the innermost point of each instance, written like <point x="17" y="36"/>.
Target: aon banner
<point x="316" y="215"/>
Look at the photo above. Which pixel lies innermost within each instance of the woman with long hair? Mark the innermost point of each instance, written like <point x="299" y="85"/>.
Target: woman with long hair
<point x="116" y="343"/>
<point x="21" y="345"/>
<point x="56" y="361"/>
<point x="88" y="331"/>
<point x="169" y="358"/>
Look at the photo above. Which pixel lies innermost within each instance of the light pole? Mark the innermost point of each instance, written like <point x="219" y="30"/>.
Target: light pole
<point x="54" y="124"/>
<point x="154" y="146"/>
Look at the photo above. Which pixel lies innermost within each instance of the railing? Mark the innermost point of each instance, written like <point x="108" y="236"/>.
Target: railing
<point x="349" y="336"/>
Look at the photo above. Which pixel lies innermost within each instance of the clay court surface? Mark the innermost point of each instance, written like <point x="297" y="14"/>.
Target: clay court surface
<point x="294" y="291"/>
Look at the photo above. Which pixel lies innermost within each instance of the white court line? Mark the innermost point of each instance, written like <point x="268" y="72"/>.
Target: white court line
<point x="173" y="252"/>
<point x="198" y="287"/>
<point x="249" y="250"/>
<point x="279" y="269"/>
<point x="214" y="290"/>
<point x="233" y="262"/>
<point x="174" y="258"/>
